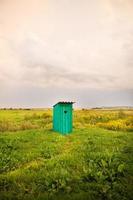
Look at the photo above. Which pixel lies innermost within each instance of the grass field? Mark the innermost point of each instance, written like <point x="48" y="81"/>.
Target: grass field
<point x="94" y="162"/>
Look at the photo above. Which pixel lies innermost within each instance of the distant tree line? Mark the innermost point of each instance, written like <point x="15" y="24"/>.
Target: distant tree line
<point x="15" y="108"/>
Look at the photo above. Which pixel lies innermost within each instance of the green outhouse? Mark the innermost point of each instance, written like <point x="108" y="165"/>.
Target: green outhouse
<point x="62" y="117"/>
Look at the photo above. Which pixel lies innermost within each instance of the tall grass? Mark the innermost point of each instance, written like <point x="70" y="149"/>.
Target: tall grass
<point x="28" y="121"/>
<point x="112" y="120"/>
<point x="7" y="125"/>
<point x="91" y="163"/>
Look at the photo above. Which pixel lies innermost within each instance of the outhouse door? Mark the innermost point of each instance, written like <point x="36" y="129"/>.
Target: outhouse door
<point x="67" y="119"/>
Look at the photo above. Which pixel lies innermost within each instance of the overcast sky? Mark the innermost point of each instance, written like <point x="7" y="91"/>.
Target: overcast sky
<point x="77" y="50"/>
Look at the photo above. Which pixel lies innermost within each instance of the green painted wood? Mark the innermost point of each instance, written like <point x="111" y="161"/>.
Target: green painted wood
<point x="62" y="118"/>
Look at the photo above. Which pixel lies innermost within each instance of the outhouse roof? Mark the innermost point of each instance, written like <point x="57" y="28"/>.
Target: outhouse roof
<point x="64" y="102"/>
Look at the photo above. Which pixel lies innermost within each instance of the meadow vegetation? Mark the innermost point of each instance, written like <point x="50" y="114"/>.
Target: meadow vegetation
<point x="94" y="162"/>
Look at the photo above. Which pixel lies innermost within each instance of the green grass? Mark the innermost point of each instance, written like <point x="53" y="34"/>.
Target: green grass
<point x="91" y="163"/>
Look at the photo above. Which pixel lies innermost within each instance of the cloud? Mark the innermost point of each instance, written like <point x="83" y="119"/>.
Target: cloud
<point x="66" y="65"/>
<point x="66" y="44"/>
<point x="47" y="75"/>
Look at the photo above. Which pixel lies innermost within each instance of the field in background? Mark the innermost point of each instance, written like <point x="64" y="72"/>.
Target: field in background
<point x="94" y="162"/>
